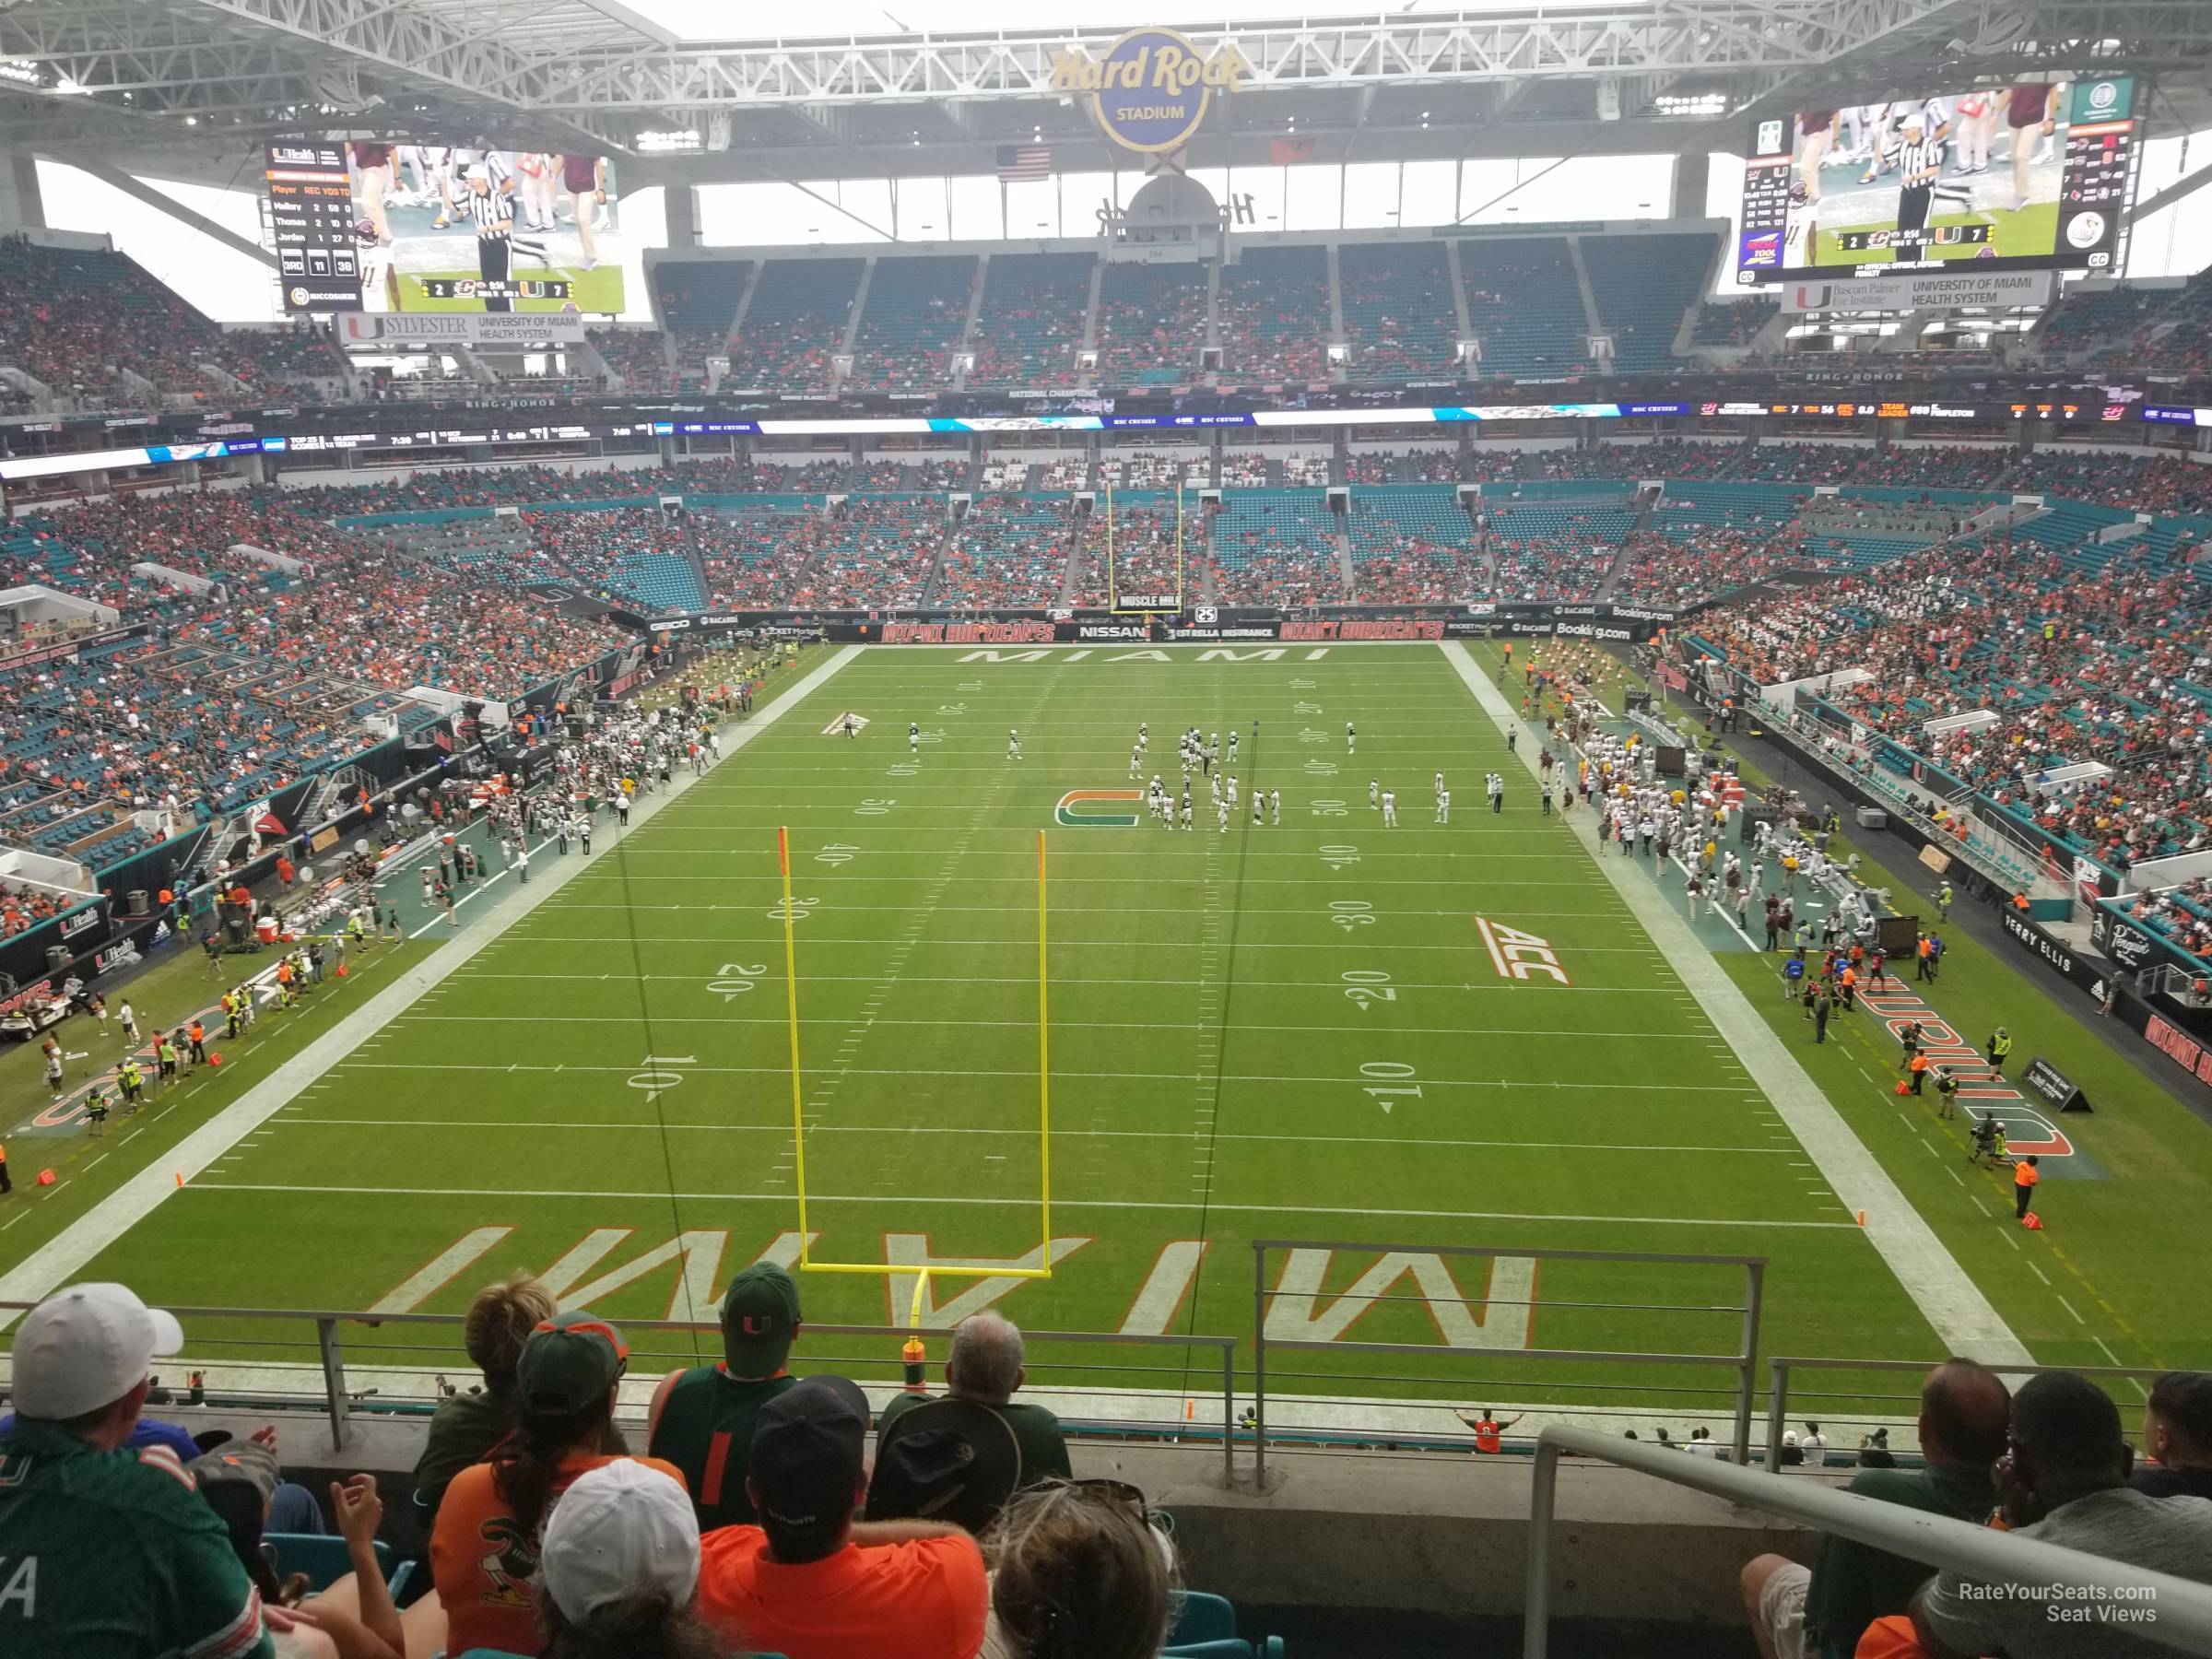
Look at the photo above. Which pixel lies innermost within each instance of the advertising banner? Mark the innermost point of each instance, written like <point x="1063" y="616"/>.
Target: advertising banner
<point x="1931" y="290"/>
<point x="460" y="328"/>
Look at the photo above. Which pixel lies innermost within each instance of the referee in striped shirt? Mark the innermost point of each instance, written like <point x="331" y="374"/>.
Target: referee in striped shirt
<point x="1920" y="163"/>
<point x="491" y="211"/>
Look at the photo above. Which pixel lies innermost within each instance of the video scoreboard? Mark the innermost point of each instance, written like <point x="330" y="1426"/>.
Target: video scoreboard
<point x="2031" y="176"/>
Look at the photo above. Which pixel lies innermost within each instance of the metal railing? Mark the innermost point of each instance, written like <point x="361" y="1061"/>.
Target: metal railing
<point x="1741" y="1361"/>
<point x="2184" y="1609"/>
<point x="340" y="1391"/>
<point x="1780" y="1368"/>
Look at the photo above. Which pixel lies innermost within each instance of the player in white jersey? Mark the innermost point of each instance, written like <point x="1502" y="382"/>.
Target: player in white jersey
<point x="1259" y="802"/>
<point x="1186" y="807"/>
<point x="1390" y="810"/>
<point x="1440" y="786"/>
<point x="1221" y="812"/>
<point x="1232" y="791"/>
<point x="1232" y="746"/>
<point x="1351" y="739"/>
<point x="914" y="738"/>
<point x="1136" y="758"/>
<point x="1374" y="791"/>
<point x="1443" y="805"/>
<point x="1013" y="744"/>
<point x="1144" y="734"/>
<point x="1275" y="804"/>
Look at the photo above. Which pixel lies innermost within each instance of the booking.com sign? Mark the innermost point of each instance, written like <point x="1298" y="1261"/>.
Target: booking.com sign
<point x="1151" y="89"/>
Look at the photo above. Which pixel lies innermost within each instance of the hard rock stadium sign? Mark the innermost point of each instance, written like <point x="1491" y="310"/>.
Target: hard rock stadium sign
<point x="1151" y="89"/>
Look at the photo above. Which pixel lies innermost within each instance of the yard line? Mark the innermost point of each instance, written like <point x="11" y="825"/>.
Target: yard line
<point x="1025" y="1203"/>
<point x="977" y="979"/>
<point x="539" y="1021"/>
<point x="969" y="1071"/>
<point x="1945" y="1293"/>
<point x="61" y="1258"/>
<point x="2038" y="1272"/>
<point x="817" y="942"/>
<point x="2069" y="1308"/>
<point x="1027" y="1133"/>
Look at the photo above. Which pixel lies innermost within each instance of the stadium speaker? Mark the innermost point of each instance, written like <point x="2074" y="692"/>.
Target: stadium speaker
<point x="58" y="958"/>
<point x="235" y="926"/>
<point x="141" y="903"/>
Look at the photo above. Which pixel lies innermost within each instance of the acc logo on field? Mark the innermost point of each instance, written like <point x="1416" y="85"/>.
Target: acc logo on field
<point x="1150" y="91"/>
<point x="1099" y="809"/>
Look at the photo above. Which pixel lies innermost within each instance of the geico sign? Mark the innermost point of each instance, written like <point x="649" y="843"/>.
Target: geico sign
<point x="1518" y="955"/>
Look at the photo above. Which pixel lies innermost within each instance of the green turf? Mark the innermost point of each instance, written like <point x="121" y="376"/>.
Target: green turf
<point x="2028" y="231"/>
<point x="1208" y="1077"/>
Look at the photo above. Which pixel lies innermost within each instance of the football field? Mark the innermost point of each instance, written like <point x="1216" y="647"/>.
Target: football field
<point x="1323" y="1031"/>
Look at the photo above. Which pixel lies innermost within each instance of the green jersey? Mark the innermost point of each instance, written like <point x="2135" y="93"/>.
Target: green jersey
<point x="115" y="1555"/>
<point x="706" y="1430"/>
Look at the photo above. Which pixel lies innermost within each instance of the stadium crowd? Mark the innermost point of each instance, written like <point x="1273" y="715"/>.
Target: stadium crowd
<point x="2082" y="663"/>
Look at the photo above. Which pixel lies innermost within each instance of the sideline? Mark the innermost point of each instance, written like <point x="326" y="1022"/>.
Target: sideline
<point x="1947" y="1297"/>
<point x="61" y="1258"/>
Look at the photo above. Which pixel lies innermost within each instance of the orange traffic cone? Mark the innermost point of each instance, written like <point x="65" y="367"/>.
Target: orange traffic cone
<point x="2032" y="1222"/>
<point x="1903" y="1087"/>
<point x="214" y="1059"/>
<point x="46" y="1178"/>
<point x="341" y="970"/>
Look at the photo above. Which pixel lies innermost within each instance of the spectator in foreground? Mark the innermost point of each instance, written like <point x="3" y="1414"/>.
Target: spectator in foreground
<point x="127" y="1560"/>
<point x="239" y="1481"/>
<point x="982" y="1372"/>
<point x="702" y="1419"/>
<point x="2177" y="1432"/>
<point x="2063" y="1480"/>
<point x="1078" y="1572"/>
<point x="466" y="1425"/>
<point x="1821" y="1612"/>
<point x="484" y="1549"/>
<point x="620" y="1568"/>
<point x="809" y="1582"/>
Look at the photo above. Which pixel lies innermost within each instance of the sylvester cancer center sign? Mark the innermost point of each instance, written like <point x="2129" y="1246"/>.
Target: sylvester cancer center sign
<point x="1150" y="88"/>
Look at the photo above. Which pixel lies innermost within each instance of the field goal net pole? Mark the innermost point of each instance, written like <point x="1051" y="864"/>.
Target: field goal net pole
<point x="798" y="1117"/>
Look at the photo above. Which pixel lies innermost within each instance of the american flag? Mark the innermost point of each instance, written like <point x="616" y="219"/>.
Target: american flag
<point x="1017" y="162"/>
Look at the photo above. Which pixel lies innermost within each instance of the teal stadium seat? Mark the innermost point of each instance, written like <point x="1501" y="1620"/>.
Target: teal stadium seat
<point x="915" y="311"/>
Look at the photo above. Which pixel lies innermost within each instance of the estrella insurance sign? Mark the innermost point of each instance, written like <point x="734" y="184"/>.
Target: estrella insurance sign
<point x="1151" y="89"/>
<point x="1099" y="809"/>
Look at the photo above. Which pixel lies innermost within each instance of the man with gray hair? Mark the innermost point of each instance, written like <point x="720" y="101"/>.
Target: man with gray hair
<point x="982" y="1372"/>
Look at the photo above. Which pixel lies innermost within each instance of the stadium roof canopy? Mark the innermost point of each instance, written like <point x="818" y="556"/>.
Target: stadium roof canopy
<point x="189" y="88"/>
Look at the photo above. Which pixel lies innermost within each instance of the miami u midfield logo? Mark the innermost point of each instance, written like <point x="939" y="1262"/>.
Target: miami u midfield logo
<point x="1099" y="809"/>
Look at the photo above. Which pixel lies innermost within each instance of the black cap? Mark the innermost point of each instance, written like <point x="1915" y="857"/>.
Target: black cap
<point x="806" y="1461"/>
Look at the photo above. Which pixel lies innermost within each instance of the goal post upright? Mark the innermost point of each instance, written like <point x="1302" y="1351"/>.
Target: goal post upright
<point x="791" y="998"/>
<point x="798" y="1113"/>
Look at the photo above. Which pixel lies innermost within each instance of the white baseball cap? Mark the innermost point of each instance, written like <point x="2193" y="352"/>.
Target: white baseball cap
<point x="619" y="1530"/>
<point x="84" y="1347"/>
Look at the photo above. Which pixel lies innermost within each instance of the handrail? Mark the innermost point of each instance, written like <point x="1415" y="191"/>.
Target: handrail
<point x="1742" y="1360"/>
<point x="2183" y="1606"/>
<point x="338" y="1394"/>
<point x="1780" y="1366"/>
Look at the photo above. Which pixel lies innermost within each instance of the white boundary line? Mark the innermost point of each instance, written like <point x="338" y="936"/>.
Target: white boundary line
<point x="663" y="1196"/>
<point x="1939" y="1288"/>
<point x="61" y="1258"/>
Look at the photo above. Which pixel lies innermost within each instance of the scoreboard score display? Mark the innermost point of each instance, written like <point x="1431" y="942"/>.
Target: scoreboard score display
<point x="2031" y="176"/>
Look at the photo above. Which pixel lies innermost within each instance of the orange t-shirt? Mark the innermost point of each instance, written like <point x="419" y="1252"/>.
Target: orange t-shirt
<point x="2025" y="1175"/>
<point x="924" y="1600"/>
<point x="483" y="1565"/>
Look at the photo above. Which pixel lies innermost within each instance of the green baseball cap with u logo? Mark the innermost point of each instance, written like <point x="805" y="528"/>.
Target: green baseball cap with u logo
<point x="760" y="1317"/>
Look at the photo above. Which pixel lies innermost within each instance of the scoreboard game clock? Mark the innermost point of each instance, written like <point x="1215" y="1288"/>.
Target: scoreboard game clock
<point x="2031" y="176"/>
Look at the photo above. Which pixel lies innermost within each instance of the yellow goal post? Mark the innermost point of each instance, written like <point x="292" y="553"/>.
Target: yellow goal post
<point x="806" y="1263"/>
